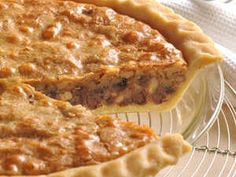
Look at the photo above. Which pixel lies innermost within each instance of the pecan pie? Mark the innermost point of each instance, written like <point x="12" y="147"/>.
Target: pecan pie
<point x="106" y="55"/>
<point x="100" y="57"/>
<point x="42" y="136"/>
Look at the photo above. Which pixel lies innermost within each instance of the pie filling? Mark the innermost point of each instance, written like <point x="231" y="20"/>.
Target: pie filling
<point x="122" y="88"/>
<point x="86" y="55"/>
<point x="39" y="135"/>
<point x="110" y="58"/>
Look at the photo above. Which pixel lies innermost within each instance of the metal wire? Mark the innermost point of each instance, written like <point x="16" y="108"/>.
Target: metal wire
<point x="216" y="150"/>
<point x="225" y="1"/>
<point x="203" y="159"/>
<point x="217" y="146"/>
<point x="220" y="142"/>
<point x="215" y="153"/>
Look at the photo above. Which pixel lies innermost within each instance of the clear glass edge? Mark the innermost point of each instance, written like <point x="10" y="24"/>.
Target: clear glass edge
<point x="215" y="114"/>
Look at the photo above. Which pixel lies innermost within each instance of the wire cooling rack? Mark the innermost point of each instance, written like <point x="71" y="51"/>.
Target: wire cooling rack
<point x="214" y="155"/>
<point x="224" y="1"/>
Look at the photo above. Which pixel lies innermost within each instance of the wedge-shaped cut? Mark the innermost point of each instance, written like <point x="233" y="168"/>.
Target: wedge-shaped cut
<point x="94" y="56"/>
<point x="42" y="136"/>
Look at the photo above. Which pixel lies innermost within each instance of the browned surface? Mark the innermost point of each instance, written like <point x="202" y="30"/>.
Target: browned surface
<point x="51" y="38"/>
<point x="41" y="39"/>
<point x="39" y="135"/>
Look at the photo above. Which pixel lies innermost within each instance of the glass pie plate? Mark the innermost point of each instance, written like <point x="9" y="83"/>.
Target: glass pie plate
<point x="194" y="114"/>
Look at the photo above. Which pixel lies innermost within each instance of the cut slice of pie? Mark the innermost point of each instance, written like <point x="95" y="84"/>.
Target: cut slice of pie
<point x="102" y="59"/>
<point x="42" y="136"/>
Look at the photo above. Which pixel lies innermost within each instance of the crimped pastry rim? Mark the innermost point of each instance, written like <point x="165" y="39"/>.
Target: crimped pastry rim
<point x="145" y="156"/>
<point x="142" y="162"/>
<point x="198" y="49"/>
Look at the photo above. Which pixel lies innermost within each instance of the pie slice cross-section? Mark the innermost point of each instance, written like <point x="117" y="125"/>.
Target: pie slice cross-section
<point x="92" y="53"/>
<point x="42" y="136"/>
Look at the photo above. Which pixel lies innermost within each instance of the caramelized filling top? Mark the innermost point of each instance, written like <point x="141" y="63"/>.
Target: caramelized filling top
<point x="51" y="38"/>
<point x="39" y="135"/>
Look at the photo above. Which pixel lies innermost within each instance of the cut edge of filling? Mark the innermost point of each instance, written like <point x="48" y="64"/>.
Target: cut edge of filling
<point x="45" y="132"/>
<point x="117" y="87"/>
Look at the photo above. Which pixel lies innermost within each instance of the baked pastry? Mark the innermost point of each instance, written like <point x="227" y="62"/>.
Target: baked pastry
<point x="62" y="48"/>
<point x="42" y="136"/>
<point x="102" y="59"/>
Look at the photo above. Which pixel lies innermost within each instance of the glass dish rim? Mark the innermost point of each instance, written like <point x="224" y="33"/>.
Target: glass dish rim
<point x="215" y="114"/>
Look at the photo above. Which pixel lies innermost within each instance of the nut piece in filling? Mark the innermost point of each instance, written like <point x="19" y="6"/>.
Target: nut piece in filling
<point x="100" y="56"/>
<point x="40" y="135"/>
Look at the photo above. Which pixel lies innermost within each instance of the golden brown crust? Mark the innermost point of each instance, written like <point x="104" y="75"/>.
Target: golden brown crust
<point x="44" y="132"/>
<point x="60" y="59"/>
<point x="40" y="135"/>
<point x="198" y="49"/>
<point x="45" y="40"/>
<point x="143" y="162"/>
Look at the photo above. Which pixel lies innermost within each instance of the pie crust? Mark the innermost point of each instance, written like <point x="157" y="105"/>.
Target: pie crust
<point x="197" y="48"/>
<point x="56" y="70"/>
<point x="40" y="135"/>
<point x="144" y="162"/>
<point x="198" y="51"/>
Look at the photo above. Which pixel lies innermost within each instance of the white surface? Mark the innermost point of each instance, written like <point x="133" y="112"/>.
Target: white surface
<point x="219" y="158"/>
<point x="218" y="20"/>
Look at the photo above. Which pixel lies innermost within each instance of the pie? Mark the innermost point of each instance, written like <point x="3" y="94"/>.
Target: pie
<point x="43" y="136"/>
<point x="91" y="53"/>
<point x="59" y="60"/>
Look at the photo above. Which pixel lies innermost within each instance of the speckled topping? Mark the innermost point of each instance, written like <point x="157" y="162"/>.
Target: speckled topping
<point x="51" y="38"/>
<point x="40" y="135"/>
<point x="41" y="39"/>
